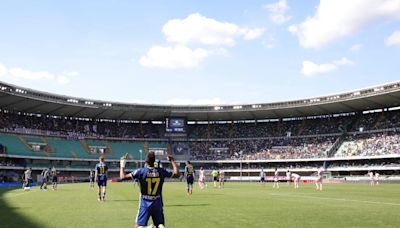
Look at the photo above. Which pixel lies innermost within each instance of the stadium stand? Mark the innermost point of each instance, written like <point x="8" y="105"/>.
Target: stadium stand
<point x="310" y="144"/>
<point x="306" y="136"/>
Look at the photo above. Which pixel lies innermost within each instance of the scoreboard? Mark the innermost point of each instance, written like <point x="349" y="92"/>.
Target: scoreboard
<point x="175" y="125"/>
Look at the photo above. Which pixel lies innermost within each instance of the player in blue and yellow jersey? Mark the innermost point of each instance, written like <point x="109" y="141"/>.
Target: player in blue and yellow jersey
<point x="54" y="178"/>
<point x="101" y="178"/>
<point x="189" y="175"/>
<point x="151" y="181"/>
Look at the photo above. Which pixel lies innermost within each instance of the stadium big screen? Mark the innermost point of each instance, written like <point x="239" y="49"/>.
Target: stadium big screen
<point x="175" y="125"/>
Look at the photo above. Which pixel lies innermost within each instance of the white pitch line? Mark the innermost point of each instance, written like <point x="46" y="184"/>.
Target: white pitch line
<point x="337" y="199"/>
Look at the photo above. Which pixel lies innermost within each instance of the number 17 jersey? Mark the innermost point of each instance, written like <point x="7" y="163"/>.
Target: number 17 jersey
<point x="151" y="181"/>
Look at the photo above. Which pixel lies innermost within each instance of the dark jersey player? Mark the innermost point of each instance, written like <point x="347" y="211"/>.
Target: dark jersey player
<point x="54" y="178"/>
<point x="101" y="178"/>
<point x="189" y="175"/>
<point x="151" y="181"/>
<point x="45" y="178"/>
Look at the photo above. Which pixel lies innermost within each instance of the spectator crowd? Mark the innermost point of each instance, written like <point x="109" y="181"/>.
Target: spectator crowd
<point x="298" y="138"/>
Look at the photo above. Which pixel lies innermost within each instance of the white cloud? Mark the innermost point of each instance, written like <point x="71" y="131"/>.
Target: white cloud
<point x="278" y="11"/>
<point x="3" y="70"/>
<point x="195" y="30"/>
<point x="175" y="57"/>
<point x="63" y="80"/>
<point x="393" y="39"/>
<point x="310" y="68"/>
<point x="17" y="73"/>
<point x="185" y="101"/>
<point x="72" y="73"/>
<point x="269" y="42"/>
<point x="343" y="61"/>
<point x="199" y="29"/>
<point x="340" y="18"/>
<point x="251" y="34"/>
<point x="138" y="101"/>
<point x="30" y="75"/>
<point x="356" y="47"/>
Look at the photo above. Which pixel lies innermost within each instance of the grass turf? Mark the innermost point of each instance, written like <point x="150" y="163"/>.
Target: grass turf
<point x="237" y="205"/>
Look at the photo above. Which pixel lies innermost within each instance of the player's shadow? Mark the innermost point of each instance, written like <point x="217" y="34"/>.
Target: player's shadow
<point x="10" y="216"/>
<point x="188" y="205"/>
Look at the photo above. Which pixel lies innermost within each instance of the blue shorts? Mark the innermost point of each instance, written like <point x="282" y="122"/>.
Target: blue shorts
<point x="54" y="179"/>
<point x="153" y="208"/>
<point x="189" y="179"/>
<point x="44" y="179"/>
<point x="262" y="179"/>
<point x="102" y="182"/>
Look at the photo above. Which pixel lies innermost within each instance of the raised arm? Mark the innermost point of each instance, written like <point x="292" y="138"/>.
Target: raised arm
<point x="175" y="167"/>
<point x="122" y="174"/>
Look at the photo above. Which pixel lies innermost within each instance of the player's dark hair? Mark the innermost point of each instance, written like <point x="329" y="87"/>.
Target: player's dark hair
<point x="101" y="158"/>
<point x="150" y="159"/>
<point x="188" y="162"/>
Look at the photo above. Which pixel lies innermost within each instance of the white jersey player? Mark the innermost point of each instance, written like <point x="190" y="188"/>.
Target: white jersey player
<point x="27" y="179"/>
<point x="318" y="182"/>
<point x="221" y="178"/>
<point x="296" y="179"/>
<point x="276" y="179"/>
<point x="371" y="178"/>
<point x="202" y="178"/>
<point x="288" y="176"/>
<point x="376" y="178"/>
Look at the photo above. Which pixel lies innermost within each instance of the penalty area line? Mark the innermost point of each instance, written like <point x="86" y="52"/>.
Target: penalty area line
<point x="335" y="199"/>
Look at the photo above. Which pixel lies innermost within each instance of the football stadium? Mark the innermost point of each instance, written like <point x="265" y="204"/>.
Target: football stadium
<point x="268" y="149"/>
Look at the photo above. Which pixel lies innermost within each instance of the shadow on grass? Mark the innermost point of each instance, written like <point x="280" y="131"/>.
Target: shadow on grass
<point x="188" y="205"/>
<point x="9" y="215"/>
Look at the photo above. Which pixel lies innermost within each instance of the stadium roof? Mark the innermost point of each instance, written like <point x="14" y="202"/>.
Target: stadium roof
<point x="19" y="99"/>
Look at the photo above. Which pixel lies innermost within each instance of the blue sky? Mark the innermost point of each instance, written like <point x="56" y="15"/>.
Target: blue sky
<point x="192" y="52"/>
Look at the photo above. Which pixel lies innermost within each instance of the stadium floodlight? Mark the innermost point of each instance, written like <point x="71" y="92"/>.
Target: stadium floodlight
<point x="20" y="91"/>
<point x="73" y="101"/>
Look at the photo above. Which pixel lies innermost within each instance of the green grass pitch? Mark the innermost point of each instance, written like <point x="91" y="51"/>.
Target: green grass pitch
<point x="237" y="205"/>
